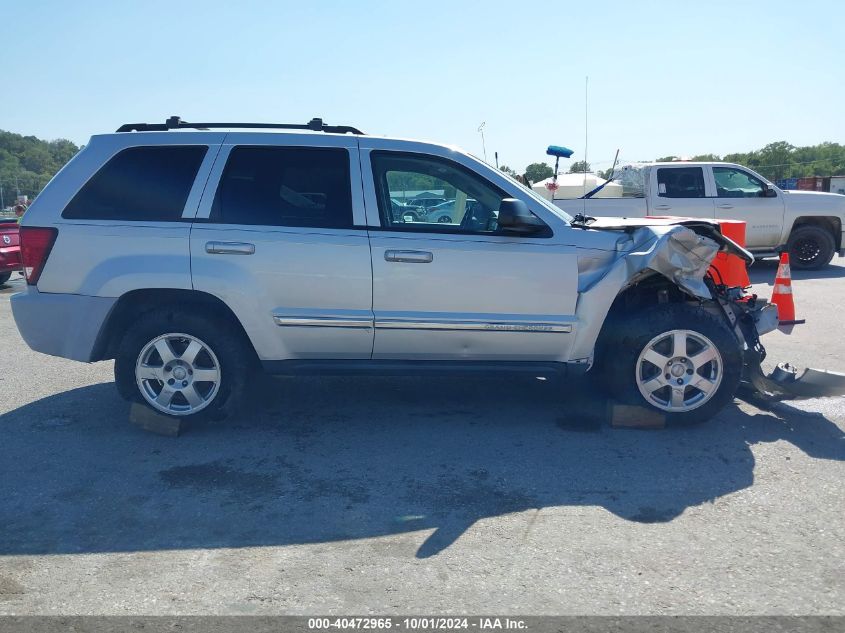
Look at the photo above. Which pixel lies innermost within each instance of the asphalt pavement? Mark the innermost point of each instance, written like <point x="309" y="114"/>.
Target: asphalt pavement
<point x="422" y="495"/>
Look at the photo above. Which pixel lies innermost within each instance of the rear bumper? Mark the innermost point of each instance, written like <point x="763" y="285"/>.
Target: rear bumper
<point x="59" y="324"/>
<point x="10" y="259"/>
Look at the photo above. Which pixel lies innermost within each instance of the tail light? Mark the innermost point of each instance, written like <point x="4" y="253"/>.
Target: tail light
<point x="36" y="243"/>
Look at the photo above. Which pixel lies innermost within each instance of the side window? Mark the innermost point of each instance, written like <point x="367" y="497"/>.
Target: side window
<point x="285" y="186"/>
<point x="736" y="183"/>
<point x="140" y="183"/>
<point x="680" y="182"/>
<point x="425" y="193"/>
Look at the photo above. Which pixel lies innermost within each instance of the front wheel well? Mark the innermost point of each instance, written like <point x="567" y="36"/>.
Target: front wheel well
<point x="832" y="224"/>
<point x="651" y="290"/>
<point x="648" y="291"/>
<point x="130" y="306"/>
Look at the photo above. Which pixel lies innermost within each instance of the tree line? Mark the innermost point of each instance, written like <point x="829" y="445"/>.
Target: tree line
<point x="774" y="161"/>
<point x="28" y="163"/>
<point x="784" y="160"/>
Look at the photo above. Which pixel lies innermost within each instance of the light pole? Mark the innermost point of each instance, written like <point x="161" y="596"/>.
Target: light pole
<point x="483" y="146"/>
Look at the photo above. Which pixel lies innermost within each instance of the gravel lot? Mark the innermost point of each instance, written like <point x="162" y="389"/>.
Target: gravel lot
<point x="423" y="495"/>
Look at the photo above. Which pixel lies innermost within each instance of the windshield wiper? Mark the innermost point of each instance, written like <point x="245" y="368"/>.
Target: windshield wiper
<point x="607" y="181"/>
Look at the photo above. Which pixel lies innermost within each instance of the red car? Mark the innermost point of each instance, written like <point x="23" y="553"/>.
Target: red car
<point x="10" y="250"/>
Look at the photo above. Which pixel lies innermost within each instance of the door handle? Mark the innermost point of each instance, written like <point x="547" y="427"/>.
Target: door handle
<point x="229" y="248"/>
<point x="725" y="206"/>
<point x="409" y="257"/>
<point x="662" y="207"/>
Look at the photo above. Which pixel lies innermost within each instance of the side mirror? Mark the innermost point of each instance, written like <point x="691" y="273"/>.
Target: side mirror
<point x="515" y="217"/>
<point x="768" y="192"/>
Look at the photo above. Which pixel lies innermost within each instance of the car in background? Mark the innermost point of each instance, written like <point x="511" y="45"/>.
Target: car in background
<point x="10" y="249"/>
<point x="444" y="213"/>
<point x="403" y="212"/>
<point x="425" y="204"/>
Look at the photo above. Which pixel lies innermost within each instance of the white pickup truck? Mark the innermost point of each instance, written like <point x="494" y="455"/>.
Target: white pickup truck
<point x="808" y="224"/>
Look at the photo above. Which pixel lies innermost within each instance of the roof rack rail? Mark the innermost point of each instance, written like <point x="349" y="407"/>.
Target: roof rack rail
<point x="176" y="123"/>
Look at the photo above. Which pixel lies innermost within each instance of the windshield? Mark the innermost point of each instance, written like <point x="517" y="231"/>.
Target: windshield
<point x="533" y="194"/>
<point x="546" y="203"/>
<point x="536" y="196"/>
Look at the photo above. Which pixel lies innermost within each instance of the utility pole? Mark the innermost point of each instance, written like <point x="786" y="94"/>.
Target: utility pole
<point x="586" y="128"/>
<point x="2" y="204"/>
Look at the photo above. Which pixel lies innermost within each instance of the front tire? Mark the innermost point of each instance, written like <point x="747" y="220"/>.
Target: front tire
<point x="183" y="365"/>
<point x="4" y="277"/>
<point x="810" y="247"/>
<point x="678" y="359"/>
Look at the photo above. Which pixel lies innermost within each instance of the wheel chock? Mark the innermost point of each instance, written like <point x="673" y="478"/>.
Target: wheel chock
<point x="149" y="420"/>
<point x="630" y="416"/>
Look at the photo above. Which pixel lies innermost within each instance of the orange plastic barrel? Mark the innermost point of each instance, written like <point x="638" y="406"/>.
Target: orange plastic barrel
<point x="729" y="269"/>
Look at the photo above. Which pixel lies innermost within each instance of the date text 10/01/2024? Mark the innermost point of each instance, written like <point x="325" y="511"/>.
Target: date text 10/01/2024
<point x="417" y="623"/>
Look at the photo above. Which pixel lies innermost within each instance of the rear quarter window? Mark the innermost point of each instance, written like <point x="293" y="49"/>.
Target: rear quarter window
<point x="141" y="184"/>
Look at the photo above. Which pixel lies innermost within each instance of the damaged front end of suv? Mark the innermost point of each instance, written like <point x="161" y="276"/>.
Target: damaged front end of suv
<point x="669" y="261"/>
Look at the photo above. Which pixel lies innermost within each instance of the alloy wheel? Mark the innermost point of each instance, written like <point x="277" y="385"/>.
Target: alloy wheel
<point x="178" y="374"/>
<point x="679" y="370"/>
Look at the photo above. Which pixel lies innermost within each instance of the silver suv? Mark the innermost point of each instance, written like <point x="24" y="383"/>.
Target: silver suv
<point x="195" y="254"/>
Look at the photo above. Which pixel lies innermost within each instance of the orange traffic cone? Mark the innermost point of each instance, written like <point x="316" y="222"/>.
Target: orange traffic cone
<point x="782" y="293"/>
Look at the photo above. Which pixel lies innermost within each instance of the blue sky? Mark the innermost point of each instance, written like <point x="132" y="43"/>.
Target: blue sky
<point x="665" y="77"/>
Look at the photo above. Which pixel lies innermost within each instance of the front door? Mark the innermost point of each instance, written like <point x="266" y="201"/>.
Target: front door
<point x="276" y="239"/>
<point x="460" y="288"/>
<point x="742" y="196"/>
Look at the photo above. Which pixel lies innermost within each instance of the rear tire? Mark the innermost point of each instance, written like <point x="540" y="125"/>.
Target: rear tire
<point x="4" y="277"/>
<point x="184" y="365"/>
<point x="810" y="247"/>
<point x="641" y="352"/>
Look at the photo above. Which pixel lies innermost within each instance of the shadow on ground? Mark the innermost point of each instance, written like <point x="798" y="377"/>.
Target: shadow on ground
<point x="348" y="458"/>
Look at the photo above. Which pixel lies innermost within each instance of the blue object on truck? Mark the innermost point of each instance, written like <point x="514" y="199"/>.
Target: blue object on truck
<point x="559" y="151"/>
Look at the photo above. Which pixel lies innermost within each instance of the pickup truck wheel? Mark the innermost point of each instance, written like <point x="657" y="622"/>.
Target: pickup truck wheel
<point x="182" y="365"/>
<point x="4" y="277"/>
<point x="810" y="247"/>
<point x="676" y="358"/>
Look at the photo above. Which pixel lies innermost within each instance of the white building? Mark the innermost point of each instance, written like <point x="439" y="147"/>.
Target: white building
<point x="571" y="186"/>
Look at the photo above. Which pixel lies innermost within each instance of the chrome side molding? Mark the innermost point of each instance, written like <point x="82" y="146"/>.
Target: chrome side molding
<point x="475" y="326"/>
<point x="422" y="324"/>
<point x="323" y="321"/>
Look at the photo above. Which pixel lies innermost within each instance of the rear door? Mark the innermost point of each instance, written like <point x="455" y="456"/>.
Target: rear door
<point x="277" y="238"/>
<point x="681" y="190"/>
<point x="741" y="195"/>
